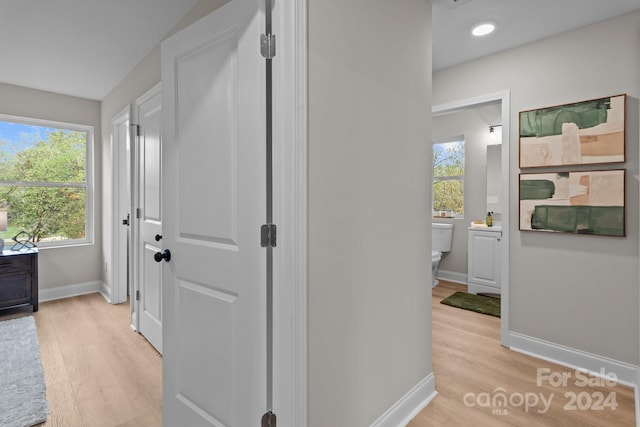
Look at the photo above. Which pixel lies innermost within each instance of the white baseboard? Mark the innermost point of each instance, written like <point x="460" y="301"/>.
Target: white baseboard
<point x="105" y="291"/>
<point x="637" y="399"/>
<point x="479" y="289"/>
<point x="452" y="276"/>
<point x="134" y="322"/>
<point x="626" y="373"/>
<point x="405" y="409"/>
<point x="59" y="292"/>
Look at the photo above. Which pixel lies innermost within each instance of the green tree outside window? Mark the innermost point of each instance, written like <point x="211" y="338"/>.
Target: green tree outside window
<point x="43" y="182"/>
<point x="448" y="177"/>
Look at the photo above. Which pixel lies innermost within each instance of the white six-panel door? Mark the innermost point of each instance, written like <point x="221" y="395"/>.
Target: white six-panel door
<point x="214" y="363"/>
<point x="121" y="206"/>
<point x="149" y="112"/>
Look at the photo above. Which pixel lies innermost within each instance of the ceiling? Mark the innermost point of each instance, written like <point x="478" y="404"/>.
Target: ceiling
<point x="519" y="22"/>
<point x="80" y="47"/>
<point x="86" y="47"/>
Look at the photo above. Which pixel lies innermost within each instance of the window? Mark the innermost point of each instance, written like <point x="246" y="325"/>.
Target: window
<point x="46" y="181"/>
<point x="448" y="177"/>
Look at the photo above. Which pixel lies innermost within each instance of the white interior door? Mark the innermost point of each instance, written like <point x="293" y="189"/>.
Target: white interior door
<point x="214" y="363"/>
<point x="121" y="207"/>
<point x="149" y="219"/>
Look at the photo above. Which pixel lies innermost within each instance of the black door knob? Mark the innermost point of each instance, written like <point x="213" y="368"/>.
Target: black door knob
<point x="165" y="255"/>
<point x="158" y="237"/>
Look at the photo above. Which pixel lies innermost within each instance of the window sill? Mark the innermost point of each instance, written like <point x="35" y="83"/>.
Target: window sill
<point x="64" y="245"/>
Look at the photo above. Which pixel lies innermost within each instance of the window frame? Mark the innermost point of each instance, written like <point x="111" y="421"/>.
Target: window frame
<point x="435" y="179"/>
<point x="88" y="186"/>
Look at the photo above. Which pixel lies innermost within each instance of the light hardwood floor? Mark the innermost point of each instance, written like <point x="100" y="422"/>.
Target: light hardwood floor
<point x="469" y="361"/>
<point x="99" y="372"/>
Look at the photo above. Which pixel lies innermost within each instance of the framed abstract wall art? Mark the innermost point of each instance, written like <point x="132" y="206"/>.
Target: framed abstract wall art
<point x="588" y="202"/>
<point x="587" y="132"/>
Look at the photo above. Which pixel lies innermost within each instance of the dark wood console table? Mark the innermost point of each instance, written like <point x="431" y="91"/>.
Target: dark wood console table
<point x="18" y="281"/>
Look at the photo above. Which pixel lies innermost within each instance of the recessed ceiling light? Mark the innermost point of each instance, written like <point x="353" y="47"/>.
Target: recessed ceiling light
<point x="483" y="29"/>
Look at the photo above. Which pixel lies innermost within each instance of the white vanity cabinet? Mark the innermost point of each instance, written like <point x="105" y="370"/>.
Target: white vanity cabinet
<point x="483" y="273"/>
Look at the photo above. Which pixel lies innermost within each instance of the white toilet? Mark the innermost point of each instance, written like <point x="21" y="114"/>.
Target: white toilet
<point x="441" y="237"/>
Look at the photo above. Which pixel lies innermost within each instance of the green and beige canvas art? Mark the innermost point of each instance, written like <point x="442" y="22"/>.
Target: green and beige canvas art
<point x="590" y="202"/>
<point x="585" y="132"/>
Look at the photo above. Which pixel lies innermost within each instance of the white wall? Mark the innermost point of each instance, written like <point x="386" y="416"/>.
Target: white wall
<point x="67" y="265"/>
<point x="369" y="313"/>
<point x="573" y="290"/>
<point x="473" y="124"/>
<point x="143" y="77"/>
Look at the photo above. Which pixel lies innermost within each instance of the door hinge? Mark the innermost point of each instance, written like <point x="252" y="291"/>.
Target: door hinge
<point x="268" y="236"/>
<point x="269" y="420"/>
<point x="138" y="295"/>
<point x="138" y="213"/>
<point x="268" y="45"/>
<point x="137" y="129"/>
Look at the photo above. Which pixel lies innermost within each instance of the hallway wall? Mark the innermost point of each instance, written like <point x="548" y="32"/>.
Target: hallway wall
<point x="369" y="293"/>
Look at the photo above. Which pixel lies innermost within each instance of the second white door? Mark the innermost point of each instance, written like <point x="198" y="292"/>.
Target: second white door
<point x="149" y="216"/>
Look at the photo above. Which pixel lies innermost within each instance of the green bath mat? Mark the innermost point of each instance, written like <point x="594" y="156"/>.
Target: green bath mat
<point x="477" y="303"/>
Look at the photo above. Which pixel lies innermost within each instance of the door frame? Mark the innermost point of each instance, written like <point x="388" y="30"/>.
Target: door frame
<point x="470" y="103"/>
<point x="120" y="181"/>
<point x="290" y="213"/>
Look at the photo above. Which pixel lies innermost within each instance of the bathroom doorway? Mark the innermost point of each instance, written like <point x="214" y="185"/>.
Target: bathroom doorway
<point x="498" y="198"/>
